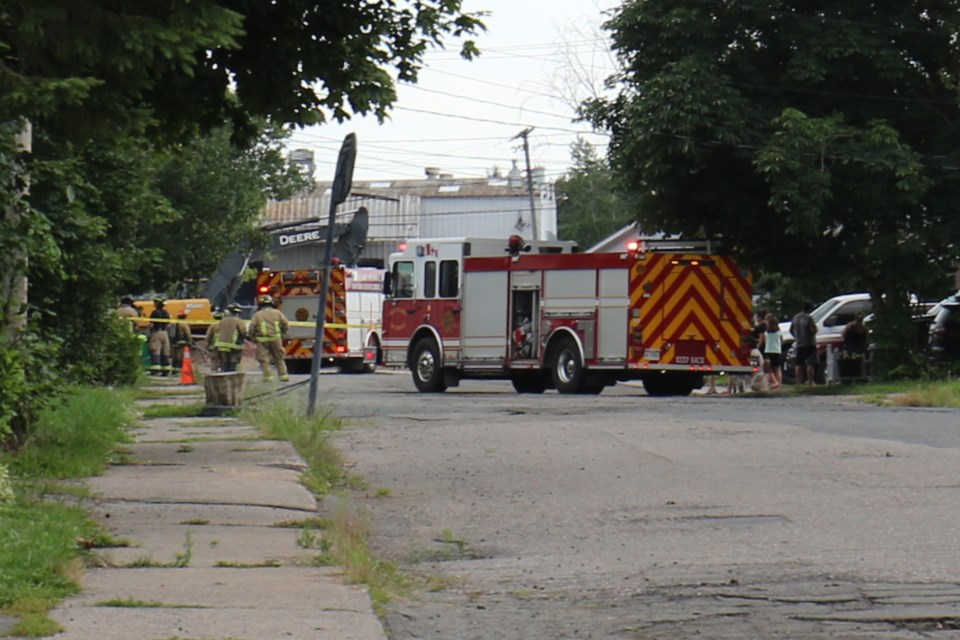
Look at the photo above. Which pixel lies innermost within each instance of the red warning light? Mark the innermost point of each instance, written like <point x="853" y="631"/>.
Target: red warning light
<point x="263" y="289"/>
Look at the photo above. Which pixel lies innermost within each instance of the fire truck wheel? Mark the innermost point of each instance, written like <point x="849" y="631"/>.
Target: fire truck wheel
<point x="427" y="373"/>
<point x="529" y="382"/>
<point x="567" y="368"/>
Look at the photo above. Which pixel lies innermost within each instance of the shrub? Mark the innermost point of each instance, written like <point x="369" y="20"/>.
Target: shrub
<point x="77" y="438"/>
<point x="30" y="382"/>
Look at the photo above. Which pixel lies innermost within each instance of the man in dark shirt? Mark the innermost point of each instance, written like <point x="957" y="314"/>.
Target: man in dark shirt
<point x="159" y="340"/>
<point x="804" y="331"/>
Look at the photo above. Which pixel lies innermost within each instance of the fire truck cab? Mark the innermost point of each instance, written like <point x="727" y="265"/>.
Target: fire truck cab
<point x="545" y="317"/>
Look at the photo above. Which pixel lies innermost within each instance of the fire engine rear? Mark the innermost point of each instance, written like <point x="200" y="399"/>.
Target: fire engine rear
<point x="351" y="337"/>
<point x="664" y="312"/>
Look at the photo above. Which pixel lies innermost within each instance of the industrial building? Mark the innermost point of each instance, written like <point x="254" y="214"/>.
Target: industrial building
<point x="438" y="205"/>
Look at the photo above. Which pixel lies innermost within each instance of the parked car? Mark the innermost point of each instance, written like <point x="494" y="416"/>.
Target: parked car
<point x="834" y="314"/>
<point x="945" y="331"/>
<point x="831" y="317"/>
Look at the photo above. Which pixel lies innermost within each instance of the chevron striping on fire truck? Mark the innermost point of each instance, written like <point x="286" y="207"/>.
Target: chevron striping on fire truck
<point x="351" y="336"/>
<point x="664" y="312"/>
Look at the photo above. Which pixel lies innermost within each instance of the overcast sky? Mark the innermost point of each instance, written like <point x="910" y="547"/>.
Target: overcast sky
<point x="461" y="115"/>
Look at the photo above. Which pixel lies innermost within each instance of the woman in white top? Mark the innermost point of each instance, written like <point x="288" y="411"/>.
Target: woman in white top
<point x="771" y="345"/>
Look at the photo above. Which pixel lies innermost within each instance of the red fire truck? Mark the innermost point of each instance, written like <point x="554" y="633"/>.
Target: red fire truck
<point x="543" y="316"/>
<point x="351" y="336"/>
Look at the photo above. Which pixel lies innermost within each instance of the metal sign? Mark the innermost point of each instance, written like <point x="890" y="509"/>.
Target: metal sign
<point x="342" y="183"/>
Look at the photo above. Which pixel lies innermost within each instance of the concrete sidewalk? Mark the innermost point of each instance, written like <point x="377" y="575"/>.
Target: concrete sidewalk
<point x="201" y="498"/>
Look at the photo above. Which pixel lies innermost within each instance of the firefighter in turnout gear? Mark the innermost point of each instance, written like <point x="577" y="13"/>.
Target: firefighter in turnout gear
<point x="159" y="340"/>
<point x="211" y="338"/>
<point x="267" y="329"/>
<point x="229" y="339"/>
<point x="179" y="338"/>
<point x="127" y="310"/>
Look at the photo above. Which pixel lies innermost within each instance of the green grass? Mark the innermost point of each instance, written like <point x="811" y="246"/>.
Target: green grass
<point x="309" y="436"/>
<point x="908" y="393"/>
<point x="346" y="544"/>
<point x="32" y="619"/>
<point x="45" y="543"/>
<point x="343" y="540"/>
<point x="40" y="557"/>
<point x="76" y="439"/>
<point x="132" y="603"/>
<point x="229" y="564"/>
<point x="173" y="410"/>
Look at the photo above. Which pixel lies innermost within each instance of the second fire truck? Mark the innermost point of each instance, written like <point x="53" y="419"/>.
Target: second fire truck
<point x="663" y="312"/>
<point x="351" y="339"/>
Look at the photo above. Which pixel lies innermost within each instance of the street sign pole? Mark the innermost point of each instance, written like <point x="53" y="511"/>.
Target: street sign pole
<point x="342" y="183"/>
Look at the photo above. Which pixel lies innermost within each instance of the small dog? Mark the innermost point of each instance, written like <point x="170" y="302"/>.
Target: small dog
<point x="737" y="383"/>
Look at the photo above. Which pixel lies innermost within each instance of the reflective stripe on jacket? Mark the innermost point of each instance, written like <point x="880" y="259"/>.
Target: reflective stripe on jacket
<point x="268" y="325"/>
<point x="230" y="335"/>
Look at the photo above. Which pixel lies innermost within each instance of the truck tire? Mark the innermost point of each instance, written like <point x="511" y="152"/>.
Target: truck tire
<point x="566" y="369"/>
<point x="529" y="382"/>
<point x="371" y="367"/>
<point x="425" y="365"/>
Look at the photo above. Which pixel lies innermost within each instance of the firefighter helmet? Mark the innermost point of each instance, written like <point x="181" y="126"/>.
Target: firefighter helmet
<point x="233" y="307"/>
<point x="218" y="315"/>
<point x="265" y="299"/>
<point x="159" y="300"/>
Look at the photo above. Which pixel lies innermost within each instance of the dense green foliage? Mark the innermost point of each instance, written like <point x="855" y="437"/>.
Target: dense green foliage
<point x="76" y="437"/>
<point x="41" y="558"/>
<point x="591" y="204"/>
<point x="156" y="140"/>
<point x="821" y="140"/>
<point x="216" y="191"/>
<point x="174" y="66"/>
<point x="36" y="541"/>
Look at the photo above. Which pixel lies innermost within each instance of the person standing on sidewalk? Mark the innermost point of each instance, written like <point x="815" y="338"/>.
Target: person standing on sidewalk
<point x="127" y="311"/>
<point x="230" y="338"/>
<point x="267" y="329"/>
<point x="771" y="344"/>
<point x="159" y="339"/>
<point x="804" y="330"/>
<point x="211" y="338"/>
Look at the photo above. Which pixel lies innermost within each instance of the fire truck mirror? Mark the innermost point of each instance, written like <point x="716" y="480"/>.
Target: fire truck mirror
<point x="387" y="278"/>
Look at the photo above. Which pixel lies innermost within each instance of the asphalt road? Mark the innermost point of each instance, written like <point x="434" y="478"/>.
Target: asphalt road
<point x="625" y="516"/>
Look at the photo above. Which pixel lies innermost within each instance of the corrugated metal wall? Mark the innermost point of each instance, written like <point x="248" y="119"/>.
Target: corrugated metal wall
<point x="474" y="216"/>
<point x="420" y="209"/>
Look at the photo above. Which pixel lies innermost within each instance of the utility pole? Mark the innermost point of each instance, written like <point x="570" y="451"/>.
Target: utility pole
<point x="526" y="152"/>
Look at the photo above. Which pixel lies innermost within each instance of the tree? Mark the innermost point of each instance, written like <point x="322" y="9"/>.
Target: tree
<point x="216" y="191"/>
<point x="173" y="66"/>
<point x="590" y="202"/>
<point x="105" y="81"/>
<point x="819" y="139"/>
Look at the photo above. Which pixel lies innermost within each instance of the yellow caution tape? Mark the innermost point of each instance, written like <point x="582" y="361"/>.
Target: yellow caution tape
<point x="329" y="325"/>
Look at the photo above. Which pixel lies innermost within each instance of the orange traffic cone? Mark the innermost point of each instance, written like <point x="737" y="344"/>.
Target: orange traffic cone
<point x="186" y="368"/>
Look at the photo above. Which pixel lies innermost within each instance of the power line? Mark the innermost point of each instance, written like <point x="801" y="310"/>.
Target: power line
<point x="317" y="136"/>
<point x="488" y="120"/>
<point x="539" y="94"/>
<point x="568" y="118"/>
